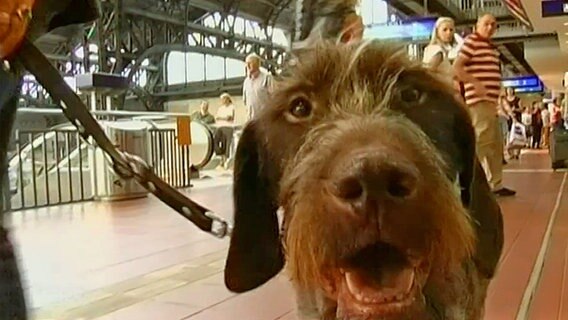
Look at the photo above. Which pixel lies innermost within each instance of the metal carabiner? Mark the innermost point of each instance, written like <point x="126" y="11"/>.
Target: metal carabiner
<point x="219" y="227"/>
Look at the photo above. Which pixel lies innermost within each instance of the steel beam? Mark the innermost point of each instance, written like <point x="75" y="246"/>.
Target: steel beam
<point x="247" y="11"/>
<point x="131" y="30"/>
<point x="202" y="89"/>
<point x="525" y="38"/>
<point x="194" y="27"/>
<point x="437" y="7"/>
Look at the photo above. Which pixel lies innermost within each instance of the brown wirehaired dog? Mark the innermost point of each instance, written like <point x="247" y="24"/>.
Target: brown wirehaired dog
<point x="387" y="212"/>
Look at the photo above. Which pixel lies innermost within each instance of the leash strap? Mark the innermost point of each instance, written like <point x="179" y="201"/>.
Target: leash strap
<point x="127" y="166"/>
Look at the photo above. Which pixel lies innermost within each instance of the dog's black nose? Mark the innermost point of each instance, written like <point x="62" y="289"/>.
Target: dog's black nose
<point x="375" y="175"/>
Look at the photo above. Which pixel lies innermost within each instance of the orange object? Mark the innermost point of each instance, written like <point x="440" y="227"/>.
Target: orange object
<point x="184" y="131"/>
<point x="15" y="16"/>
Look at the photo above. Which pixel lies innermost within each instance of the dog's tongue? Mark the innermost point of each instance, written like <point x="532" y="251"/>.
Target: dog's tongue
<point x="392" y="286"/>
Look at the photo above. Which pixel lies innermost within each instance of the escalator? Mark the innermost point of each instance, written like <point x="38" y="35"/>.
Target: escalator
<point x="202" y="147"/>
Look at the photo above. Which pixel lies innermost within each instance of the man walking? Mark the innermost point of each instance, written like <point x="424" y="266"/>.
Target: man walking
<point x="479" y="67"/>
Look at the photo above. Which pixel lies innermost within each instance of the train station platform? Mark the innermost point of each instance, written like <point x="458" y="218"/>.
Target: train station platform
<point x="138" y="259"/>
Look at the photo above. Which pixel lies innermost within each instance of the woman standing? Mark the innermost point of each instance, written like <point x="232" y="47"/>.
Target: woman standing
<point x="526" y="118"/>
<point x="442" y="49"/>
<point x="537" y="125"/>
<point x="514" y="104"/>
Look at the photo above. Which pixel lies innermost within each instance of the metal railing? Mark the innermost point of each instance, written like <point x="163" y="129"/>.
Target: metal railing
<point x="471" y="9"/>
<point x="56" y="166"/>
<point x="50" y="168"/>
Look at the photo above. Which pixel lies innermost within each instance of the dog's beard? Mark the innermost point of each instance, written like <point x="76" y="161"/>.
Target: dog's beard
<point x="379" y="279"/>
<point x="374" y="267"/>
<point x="365" y="276"/>
<point x="368" y="277"/>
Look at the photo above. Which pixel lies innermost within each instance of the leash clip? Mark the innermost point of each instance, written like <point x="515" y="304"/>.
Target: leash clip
<point x="219" y="227"/>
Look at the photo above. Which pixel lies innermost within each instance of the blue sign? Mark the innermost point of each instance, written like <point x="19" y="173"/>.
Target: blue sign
<point x="525" y="81"/>
<point x="410" y="30"/>
<point x="524" y="84"/>
<point x="530" y="89"/>
<point x="554" y="8"/>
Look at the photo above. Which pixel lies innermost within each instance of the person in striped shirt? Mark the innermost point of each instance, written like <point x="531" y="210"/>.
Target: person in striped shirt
<point x="479" y="67"/>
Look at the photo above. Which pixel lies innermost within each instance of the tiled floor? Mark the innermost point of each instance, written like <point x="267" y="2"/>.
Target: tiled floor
<point x="140" y="260"/>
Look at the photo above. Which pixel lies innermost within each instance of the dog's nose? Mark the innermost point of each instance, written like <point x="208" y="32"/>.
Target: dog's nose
<point x="373" y="176"/>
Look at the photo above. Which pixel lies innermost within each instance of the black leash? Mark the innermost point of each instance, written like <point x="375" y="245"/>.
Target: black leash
<point x="125" y="165"/>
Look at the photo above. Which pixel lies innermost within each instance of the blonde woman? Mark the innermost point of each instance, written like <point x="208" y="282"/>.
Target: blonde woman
<point x="442" y="49"/>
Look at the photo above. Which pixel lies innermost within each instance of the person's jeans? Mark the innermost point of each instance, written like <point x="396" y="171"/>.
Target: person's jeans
<point x="537" y="135"/>
<point x="505" y="127"/>
<point x="223" y="137"/>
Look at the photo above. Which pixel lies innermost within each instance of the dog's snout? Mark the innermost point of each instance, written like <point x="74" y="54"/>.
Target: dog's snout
<point x="373" y="176"/>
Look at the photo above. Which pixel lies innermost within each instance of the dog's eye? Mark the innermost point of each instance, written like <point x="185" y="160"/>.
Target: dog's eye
<point x="301" y="108"/>
<point x="410" y="95"/>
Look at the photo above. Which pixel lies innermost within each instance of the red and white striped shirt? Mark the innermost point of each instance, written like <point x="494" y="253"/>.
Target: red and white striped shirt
<point x="483" y="63"/>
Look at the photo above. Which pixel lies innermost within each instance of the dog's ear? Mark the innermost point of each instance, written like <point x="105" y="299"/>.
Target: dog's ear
<point x="478" y="198"/>
<point x="488" y="221"/>
<point x="255" y="251"/>
<point x="465" y="135"/>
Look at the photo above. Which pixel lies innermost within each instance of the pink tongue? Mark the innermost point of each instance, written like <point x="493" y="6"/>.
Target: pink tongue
<point x="392" y="286"/>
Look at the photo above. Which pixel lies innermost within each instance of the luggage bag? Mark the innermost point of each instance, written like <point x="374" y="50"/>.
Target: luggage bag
<point x="559" y="148"/>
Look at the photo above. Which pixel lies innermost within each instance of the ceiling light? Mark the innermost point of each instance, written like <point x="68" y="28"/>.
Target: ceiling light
<point x="566" y="23"/>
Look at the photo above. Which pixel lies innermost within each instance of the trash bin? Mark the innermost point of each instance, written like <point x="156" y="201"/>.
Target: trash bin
<point x="128" y="136"/>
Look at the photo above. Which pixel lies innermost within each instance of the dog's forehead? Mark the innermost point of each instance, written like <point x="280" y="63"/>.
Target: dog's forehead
<point x="364" y="64"/>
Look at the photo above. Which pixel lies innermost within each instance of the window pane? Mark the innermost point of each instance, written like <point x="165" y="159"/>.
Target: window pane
<point x="176" y="68"/>
<point x="195" y="67"/>
<point x="235" y="68"/>
<point x="215" y="67"/>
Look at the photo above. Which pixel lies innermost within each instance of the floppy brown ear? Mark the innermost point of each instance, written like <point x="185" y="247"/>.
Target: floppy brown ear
<point x="465" y="135"/>
<point x="478" y="198"/>
<point x="255" y="251"/>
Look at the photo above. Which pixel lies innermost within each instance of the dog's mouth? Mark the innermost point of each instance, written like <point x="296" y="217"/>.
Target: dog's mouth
<point x="376" y="281"/>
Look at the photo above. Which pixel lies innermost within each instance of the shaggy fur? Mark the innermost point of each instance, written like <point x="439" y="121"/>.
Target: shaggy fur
<point x="364" y="113"/>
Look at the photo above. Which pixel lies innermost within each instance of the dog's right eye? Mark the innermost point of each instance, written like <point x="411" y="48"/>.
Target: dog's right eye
<point x="410" y="95"/>
<point x="300" y="108"/>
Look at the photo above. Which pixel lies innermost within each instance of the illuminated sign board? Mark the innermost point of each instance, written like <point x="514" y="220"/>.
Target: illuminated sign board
<point x="528" y="81"/>
<point x="530" y="89"/>
<point x="409" y="30"/>
<point x="524" y="84"/>
<point x="554" y="8"/>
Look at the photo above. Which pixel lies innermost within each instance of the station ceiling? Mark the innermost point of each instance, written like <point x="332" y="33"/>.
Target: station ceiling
<point x="548" y="57"/>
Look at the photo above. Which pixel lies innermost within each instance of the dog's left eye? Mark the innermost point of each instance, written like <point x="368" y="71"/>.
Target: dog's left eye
<point x="410" y="95"/>
<point x="300" y="108"/>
